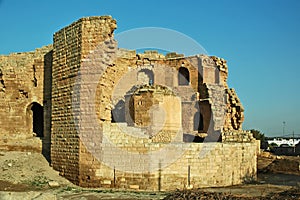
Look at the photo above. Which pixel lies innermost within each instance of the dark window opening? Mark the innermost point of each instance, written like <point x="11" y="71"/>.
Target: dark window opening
<point x="183" y="76"/>
<point x="198" y="122"/>
<point x="37" y="119"/>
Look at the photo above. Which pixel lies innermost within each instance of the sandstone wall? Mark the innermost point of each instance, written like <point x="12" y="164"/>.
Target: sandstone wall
<point x="21" y="94"/>
<point x="120" y="78"/>
<point x="64" y="137"/>
<point x="72" y="47"/>
<point x="234" y="116"/>
<point x="126" y="157"/>
<point x="131" y="162"/>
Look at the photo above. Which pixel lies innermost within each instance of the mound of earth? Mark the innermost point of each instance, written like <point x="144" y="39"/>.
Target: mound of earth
<point x="285" y="165"/>
<point x="268" y="163"/>
<point x="27" y="170"/>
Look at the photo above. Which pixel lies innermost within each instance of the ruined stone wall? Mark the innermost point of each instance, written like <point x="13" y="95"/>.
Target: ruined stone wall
<point x="90" y="80"/>
<point x="64" y="137"/>
<point x="79" y="83"/>
<point x="157" y="110"/>
<point x="21" y="93"/>
<point x="234" y="116"/>
<point x="120" y="78"/>
<point x="73" y="46"/>
<point x="129" y="161"/>
<point x="127" y="158"/>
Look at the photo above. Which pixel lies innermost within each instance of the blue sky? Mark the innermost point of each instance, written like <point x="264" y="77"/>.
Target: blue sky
<point x="260" y="39"/>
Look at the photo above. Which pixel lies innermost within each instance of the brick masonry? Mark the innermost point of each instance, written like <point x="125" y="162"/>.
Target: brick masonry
<point x="95" y="128"/>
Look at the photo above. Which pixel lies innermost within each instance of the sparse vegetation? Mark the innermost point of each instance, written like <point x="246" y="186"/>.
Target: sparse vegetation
<point x="272" y="146"/>
<point x="39" y="181"/>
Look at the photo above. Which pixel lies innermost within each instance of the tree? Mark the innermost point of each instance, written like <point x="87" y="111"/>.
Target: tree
<point x="272" y="146"/>
<point x="260" y="136"/>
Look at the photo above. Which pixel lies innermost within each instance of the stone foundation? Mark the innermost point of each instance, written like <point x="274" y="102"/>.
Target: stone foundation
<point x="161" y="166"/>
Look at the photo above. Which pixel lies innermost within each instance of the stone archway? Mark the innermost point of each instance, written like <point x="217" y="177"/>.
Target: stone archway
<point x="35" y="119"/>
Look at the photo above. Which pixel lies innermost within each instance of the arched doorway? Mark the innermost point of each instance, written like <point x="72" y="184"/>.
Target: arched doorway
<point x="35" y="116"/>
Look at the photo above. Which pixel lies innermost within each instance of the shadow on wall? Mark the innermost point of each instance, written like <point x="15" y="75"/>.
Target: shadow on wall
<point x="198" y="122"/>
<point x="118" y="113"/>
<point x="183" y="76"/>
<point x="47" y="95"/>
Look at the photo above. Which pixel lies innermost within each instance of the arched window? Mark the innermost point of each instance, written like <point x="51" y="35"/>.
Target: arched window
<point x="183" y="76"/>
<point x="146" y="76"/>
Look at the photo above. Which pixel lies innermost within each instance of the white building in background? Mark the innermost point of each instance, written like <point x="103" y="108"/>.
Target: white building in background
<point x="283" y="141"/>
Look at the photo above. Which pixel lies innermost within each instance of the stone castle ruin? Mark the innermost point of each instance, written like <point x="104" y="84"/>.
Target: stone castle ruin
<point x="110" y="117"/>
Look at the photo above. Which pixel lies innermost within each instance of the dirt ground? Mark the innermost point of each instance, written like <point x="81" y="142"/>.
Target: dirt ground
<point x="27" y="175"/>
